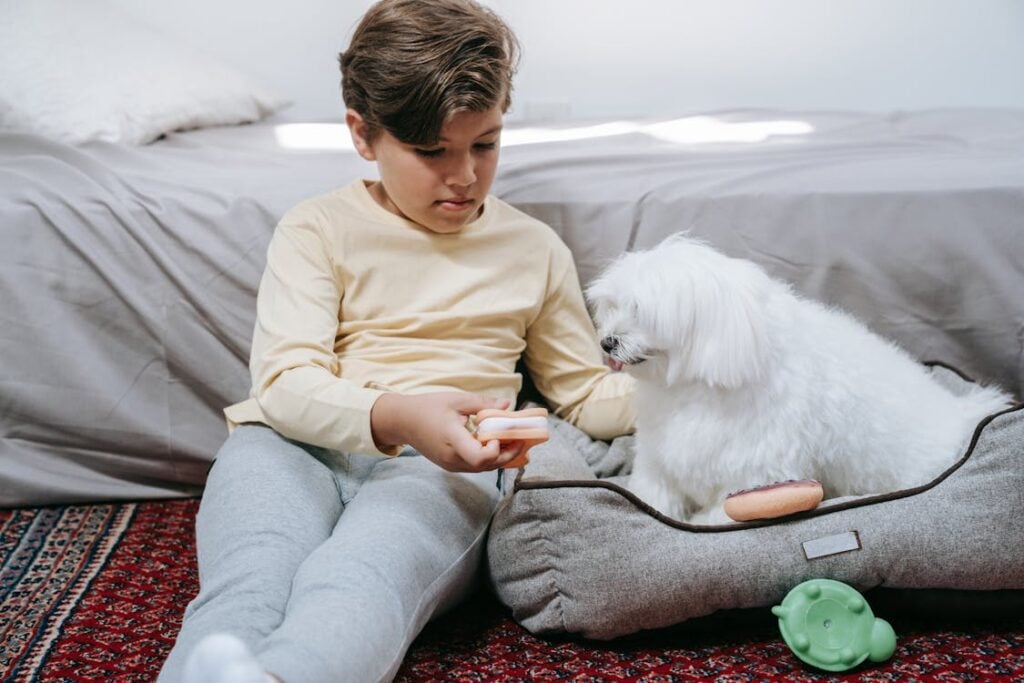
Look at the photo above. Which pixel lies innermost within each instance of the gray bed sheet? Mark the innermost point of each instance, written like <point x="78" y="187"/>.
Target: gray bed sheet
<point x="128" y="274"/>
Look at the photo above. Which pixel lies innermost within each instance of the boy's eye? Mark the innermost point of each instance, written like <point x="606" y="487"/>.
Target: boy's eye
<point x="435" y="152"/>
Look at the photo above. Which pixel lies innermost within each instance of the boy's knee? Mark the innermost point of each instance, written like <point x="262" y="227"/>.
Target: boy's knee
<point x="241" y="442"/>
<point x="256" y="465"/>
<point x="474" y="495"/>
<point x="415" y="483"/>
<point x="251" y="447"/>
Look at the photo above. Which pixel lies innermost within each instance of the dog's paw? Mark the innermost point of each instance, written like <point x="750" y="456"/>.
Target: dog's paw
<point x="656" y="495"/>
<point x="712" y="516"/>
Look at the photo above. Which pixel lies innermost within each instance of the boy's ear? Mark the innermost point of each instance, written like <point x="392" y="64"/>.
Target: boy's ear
<point x="358" y="129"/>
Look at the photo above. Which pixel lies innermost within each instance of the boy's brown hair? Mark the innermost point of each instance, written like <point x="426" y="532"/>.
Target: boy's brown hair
<point x="412" y="64"/>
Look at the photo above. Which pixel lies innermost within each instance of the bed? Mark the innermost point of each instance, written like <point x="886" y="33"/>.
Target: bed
<point x="130" y="272"/>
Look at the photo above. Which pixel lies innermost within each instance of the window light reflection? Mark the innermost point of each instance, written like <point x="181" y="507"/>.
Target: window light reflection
<point x="690" y="130"/>
<point x="325" y="137"/>
<point x="703" y="129"/>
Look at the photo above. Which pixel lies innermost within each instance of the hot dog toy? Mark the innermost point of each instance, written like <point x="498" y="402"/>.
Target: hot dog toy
<point x="529" y="426"/>
<point x="774" y="500"/>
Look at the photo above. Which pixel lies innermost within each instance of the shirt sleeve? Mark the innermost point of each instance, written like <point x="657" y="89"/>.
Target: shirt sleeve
<point x="296" y="373"/>
<point x="564" y="360"/>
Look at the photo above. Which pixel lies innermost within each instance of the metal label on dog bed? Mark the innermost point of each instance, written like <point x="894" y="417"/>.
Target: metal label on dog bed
<point x="831" y="545"/>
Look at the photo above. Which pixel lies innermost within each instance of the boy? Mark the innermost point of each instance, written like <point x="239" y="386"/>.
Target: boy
<point x="388" y="313"/>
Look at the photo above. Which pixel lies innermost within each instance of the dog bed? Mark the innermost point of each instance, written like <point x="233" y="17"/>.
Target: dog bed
<point x="572" y="551"/>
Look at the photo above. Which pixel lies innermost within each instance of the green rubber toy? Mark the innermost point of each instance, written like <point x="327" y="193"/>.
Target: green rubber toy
<point x="829" y="625"/>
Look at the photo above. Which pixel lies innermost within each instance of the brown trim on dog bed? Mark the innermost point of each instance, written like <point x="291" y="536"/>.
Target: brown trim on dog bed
<point x="823" y="509"/>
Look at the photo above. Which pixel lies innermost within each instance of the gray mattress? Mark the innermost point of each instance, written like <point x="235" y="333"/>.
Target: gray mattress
<point x="128" y="275"/>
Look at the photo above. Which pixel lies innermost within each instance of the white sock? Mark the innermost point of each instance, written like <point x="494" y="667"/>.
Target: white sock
<point x="223" y="658"/>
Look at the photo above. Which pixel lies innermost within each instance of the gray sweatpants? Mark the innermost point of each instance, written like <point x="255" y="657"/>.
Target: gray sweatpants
<point x="328" y="564"/>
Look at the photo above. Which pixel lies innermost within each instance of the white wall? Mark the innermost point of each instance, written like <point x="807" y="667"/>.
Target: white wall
<point x="291" y="46"/>
<point x="596" y="58"/>
<point x="651" y="56"/>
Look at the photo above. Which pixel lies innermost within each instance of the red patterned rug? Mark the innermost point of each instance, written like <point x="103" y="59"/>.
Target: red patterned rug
<point x="96" y="593"/>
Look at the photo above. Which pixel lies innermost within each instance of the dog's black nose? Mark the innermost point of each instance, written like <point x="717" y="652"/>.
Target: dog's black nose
<point x="609" y="344"/>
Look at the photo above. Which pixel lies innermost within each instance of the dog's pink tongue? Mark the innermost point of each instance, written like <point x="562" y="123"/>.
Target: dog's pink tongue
<point x="615" y="365"/>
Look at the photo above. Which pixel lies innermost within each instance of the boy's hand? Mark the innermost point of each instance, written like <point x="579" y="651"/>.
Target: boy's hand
<point x="435" y="425"/>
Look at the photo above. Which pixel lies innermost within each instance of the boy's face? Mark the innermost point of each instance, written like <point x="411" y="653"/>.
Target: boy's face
<point x="441" y="187"/>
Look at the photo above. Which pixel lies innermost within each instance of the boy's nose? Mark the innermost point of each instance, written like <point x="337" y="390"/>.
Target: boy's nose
<point x="462" y="172"/>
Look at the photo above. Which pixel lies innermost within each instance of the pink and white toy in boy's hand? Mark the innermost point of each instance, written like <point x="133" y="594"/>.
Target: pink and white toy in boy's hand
<point x="529" y="426"/>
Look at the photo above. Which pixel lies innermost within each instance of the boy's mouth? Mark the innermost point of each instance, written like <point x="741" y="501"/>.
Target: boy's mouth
<point x="456" y="204"/>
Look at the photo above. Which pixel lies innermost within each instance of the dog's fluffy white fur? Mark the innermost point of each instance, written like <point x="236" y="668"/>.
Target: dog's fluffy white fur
<point x="741" y="382"/>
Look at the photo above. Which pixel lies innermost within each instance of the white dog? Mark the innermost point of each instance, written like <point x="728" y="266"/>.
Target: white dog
<point x="742" y="383"/>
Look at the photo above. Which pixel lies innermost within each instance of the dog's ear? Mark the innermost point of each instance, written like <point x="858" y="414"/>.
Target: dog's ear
<point x="725" y="339"/>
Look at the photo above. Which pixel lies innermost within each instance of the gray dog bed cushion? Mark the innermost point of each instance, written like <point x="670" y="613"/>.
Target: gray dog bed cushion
<point x="572" y="551"/>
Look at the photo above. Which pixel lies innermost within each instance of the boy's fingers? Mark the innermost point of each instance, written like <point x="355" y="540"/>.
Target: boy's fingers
<point x="510" y="450"/>
<point x="473" y="403"/>
<point x="502" y="453"/>
<point x="484" y="456"/>
<point x="472" y="451"/>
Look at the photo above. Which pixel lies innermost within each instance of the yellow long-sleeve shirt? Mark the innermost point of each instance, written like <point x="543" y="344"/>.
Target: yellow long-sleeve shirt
<point x="356" y="301"/>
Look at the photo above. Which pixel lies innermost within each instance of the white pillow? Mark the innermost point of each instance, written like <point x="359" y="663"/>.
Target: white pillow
<point x="80" y="70"/>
